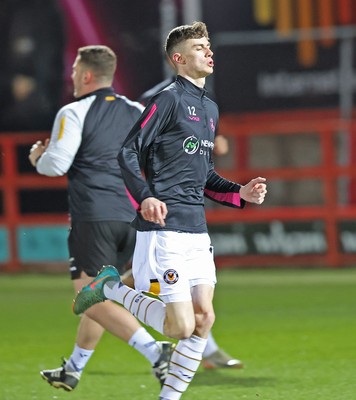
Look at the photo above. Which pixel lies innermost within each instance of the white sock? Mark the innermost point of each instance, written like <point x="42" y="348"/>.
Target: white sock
<point x="143" y="342"/>
<point x="184" y="363"/>
<point x="78" y="360"/>
<point x="211" y="346"/>
<point x="150" y="311"/>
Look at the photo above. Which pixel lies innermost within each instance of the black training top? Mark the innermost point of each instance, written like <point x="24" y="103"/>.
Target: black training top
<point x="172" y="142"/>
<point x="96" y="187"/>
<point x="85" y="141"/>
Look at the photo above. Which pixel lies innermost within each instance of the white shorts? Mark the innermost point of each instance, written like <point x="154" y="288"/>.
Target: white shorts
<point x="169" y="263"/>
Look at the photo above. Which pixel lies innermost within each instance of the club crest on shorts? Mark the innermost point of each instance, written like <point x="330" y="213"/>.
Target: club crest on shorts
<point x="171" y="276"/>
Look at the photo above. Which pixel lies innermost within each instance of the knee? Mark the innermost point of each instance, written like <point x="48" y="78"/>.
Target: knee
<point x="179" y="329"/>
<point x="184" y="332"/>
<point x="209" y="319"/>
<point x="204" y="322"/>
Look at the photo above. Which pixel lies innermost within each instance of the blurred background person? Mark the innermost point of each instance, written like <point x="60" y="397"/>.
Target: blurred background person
<point x="86" y="137"/>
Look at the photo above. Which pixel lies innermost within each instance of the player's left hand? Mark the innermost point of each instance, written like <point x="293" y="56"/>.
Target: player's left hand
<point x="254" y="191"/>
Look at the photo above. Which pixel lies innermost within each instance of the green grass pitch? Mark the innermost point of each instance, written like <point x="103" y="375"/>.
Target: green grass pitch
<point x="294" y="329"/>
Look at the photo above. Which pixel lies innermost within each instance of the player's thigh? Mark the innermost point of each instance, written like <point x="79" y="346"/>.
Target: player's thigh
<point x="180" y="317"/>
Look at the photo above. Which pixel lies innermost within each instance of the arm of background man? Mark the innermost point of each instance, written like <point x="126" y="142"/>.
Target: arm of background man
<point x="65" y="140"/>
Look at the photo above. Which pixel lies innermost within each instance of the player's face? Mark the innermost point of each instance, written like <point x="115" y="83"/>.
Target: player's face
<point x="198" y="57"/>
<point x="77" y="78"/>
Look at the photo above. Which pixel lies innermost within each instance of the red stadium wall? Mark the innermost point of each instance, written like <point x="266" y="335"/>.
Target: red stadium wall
<point x="12" y="181"/>
<point x="312" y="221"/>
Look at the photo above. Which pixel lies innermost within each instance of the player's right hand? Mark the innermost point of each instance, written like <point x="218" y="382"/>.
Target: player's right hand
<point x="154" y="210"/>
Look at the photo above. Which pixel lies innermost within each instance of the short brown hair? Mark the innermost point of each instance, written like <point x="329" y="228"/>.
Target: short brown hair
<point x="100" y="59"/>
<point x="181" y="33"/>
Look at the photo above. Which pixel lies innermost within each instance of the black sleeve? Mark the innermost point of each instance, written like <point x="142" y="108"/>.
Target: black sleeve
<point x="223" y="191"/>
<point x="133" y="155"/>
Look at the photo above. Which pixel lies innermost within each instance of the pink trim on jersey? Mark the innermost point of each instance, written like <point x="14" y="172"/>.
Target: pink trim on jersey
<point x="230" y="197"/>
<point x="149" y="115"/>
<point x="134" y="203"/>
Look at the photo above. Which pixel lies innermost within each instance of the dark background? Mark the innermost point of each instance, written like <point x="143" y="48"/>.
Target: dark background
<point x="39" y="41"/>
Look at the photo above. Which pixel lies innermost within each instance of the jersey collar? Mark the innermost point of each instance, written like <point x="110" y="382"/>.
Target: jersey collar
<point x="190" y="87"/>
<point x="107" y="90"/>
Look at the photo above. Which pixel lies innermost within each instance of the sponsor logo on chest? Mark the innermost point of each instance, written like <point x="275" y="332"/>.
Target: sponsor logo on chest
<point x="192" y="144"/>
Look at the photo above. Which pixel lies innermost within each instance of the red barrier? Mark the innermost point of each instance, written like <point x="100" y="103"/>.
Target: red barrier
<point x="12" y="181"/>
<point x="326" y="125"/>
<point x="240" y="129"/>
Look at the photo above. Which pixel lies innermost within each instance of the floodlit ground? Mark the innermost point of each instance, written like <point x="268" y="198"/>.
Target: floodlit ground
<point x="294" y="329"/>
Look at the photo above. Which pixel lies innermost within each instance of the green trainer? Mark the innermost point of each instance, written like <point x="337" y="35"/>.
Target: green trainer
<point x="93" y="293"/>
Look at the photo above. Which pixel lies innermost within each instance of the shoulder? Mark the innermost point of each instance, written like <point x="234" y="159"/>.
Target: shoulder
<point x="210" y="101"/>
<point x="212" y="105"/>
<point x="146" y="96"/>
<point x="75" y="112"/>
<point x="79" y="107"/>
<point x="168" y="95"/>
<point x="133" y="105"/>
<point x="164" y="102"/>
